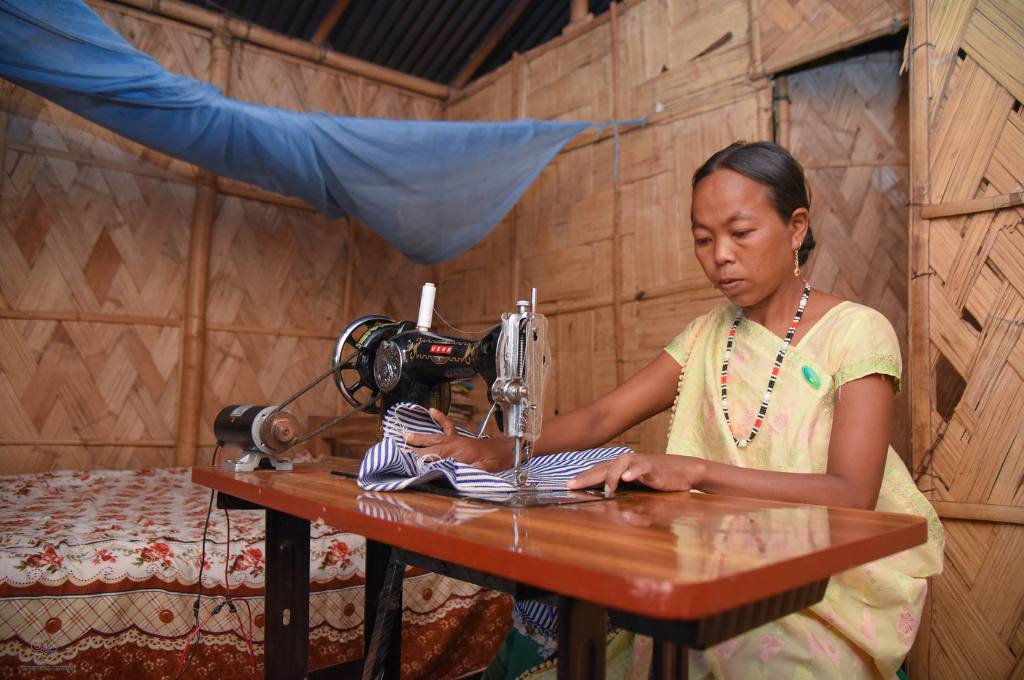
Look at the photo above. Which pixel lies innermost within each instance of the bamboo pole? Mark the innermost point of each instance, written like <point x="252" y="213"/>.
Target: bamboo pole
<point x="250" y="33"/>
<point x="859" y="163"/>
<point x="283" y="331"/>
<point x="225" y="186"/>
<point x="598" y="302"/>
<point x="518" y="111"/>
<point x="193" y="336"/>
<point x="92" y="443"/>
<point x="579" y="16"/>
<point x="765" y="124"/>
<point x="756" y="64"/>
<point x="920" y="391"/>
<point x="329" y="21"/>
<point x="87" y="317"/>
<point x="137" y="320"/>
<point x="920" y="378"/>
<point x="488" y="45"/>
<point x="782" y="110"/>
<point x="974" y="205"/>
<point x="617" y="106"/>
<point x="980" y="512"/>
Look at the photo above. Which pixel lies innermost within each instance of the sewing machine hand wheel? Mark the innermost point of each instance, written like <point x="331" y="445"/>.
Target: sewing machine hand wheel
<point x="348" y="378"/>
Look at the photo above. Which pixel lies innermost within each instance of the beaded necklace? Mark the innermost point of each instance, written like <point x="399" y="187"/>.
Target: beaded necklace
<point x="775" y="368"/>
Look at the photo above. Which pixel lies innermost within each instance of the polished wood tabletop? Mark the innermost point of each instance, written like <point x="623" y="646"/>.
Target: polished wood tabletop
<point x="660" y="555"/>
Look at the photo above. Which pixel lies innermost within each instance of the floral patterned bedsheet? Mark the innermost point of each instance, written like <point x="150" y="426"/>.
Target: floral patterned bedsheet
<point x="99" y="569"/>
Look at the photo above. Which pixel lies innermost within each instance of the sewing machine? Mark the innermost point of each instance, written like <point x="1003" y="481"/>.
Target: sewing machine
<point x="378" y="362"/>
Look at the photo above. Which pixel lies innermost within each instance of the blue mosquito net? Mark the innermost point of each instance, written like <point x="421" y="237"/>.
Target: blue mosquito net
<point x="432" y="189"/>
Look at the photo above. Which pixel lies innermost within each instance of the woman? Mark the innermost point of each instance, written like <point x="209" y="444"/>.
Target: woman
<point x="783" y="393"/>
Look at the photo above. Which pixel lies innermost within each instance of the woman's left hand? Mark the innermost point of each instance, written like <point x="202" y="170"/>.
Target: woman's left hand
<point x="659" y="471"/>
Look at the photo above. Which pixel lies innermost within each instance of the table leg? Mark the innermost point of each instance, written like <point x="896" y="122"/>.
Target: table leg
<point x="382" y="613"/>
<point x="286" y="638"/>
<point x="669" y="661"/>
<point x="582" y="629"/>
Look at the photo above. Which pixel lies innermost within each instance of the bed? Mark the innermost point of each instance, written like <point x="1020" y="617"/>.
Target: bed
<point x="98" y="576"/>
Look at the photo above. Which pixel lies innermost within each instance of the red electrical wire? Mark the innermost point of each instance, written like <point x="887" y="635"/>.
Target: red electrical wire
<point x="188" y="643"/>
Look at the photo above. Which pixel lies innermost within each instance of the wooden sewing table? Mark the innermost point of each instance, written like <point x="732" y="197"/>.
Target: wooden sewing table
<point x="691" y="570"/>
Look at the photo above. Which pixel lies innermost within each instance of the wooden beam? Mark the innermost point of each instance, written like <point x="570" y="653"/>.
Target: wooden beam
<point x="193" y="335"/>
<point x="973" y="205"/>
<point x="484" y="50"/>
<point x="329" y="21"/>
<point x="579" y="12"/>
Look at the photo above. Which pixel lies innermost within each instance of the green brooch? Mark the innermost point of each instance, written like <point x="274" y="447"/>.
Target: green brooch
<point x="811" y="376"/>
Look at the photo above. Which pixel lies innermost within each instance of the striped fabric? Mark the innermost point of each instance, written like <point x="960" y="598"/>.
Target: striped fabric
<point x="391" y="465"/>
<point x="539" y="622"/>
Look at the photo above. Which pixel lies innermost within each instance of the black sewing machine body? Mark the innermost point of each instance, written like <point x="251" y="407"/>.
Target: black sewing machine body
<point x="401" y="363"/>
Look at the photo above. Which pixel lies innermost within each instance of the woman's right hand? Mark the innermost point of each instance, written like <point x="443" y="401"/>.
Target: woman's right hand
<point x="492" y="455"/>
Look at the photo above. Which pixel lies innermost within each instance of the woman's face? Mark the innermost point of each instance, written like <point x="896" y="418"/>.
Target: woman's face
<point x="744" y="246"/>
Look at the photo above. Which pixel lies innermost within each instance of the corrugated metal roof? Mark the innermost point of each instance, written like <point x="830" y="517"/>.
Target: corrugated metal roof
<point x="432" y="39"/>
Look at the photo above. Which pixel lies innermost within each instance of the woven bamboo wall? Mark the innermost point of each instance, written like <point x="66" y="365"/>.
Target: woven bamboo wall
<point x="612" y="256"/>
<point x="847" y="123"/>
<point x="967" y="150"/>
<point x="94" y="243"/>
<point x="794" y="33"/>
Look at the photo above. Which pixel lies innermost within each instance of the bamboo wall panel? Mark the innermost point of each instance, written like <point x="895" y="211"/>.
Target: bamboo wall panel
<point x="564" y="227"/>
<point x="94" y="239"/>
<point x="657" y="243"/>
<point x="477" y="285"/>
<point x="383" y="281"/>
<point x="672" y="49"/>
<point x="586" y="337"/>
<point x="490" y="102"/>
<point x="85" y="381"/>
<point x="277" y="267"/>
<point x="252" y="368"/>
<point x="85" y="231"/>
<point x="794" y="33"/>
<point x="973" y="455"/>
<point x="260" y="76"/>
<point x="848" y="123"/>
<point x="572" y="83"/>
<point x="44" y="124"/>
<point x="381" y="101"/>
<point x="74" y="236"/>
<point x="18" y="459"/>
<point x="651" y="325"/>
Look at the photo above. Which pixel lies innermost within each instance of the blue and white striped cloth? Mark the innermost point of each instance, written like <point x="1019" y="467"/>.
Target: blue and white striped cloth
<point x="392" y="465"/>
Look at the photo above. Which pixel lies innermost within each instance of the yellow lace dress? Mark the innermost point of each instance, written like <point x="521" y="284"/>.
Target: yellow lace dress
<point x="870" y="614"/>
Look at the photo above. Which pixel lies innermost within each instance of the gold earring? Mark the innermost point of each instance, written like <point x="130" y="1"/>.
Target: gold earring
<point x="796" y="263"/>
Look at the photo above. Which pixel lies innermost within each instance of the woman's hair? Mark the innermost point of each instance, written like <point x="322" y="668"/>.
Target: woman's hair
<point x="772" y="166"/>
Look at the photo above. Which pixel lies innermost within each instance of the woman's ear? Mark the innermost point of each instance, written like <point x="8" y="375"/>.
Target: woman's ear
<point x="799" y="222"/>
